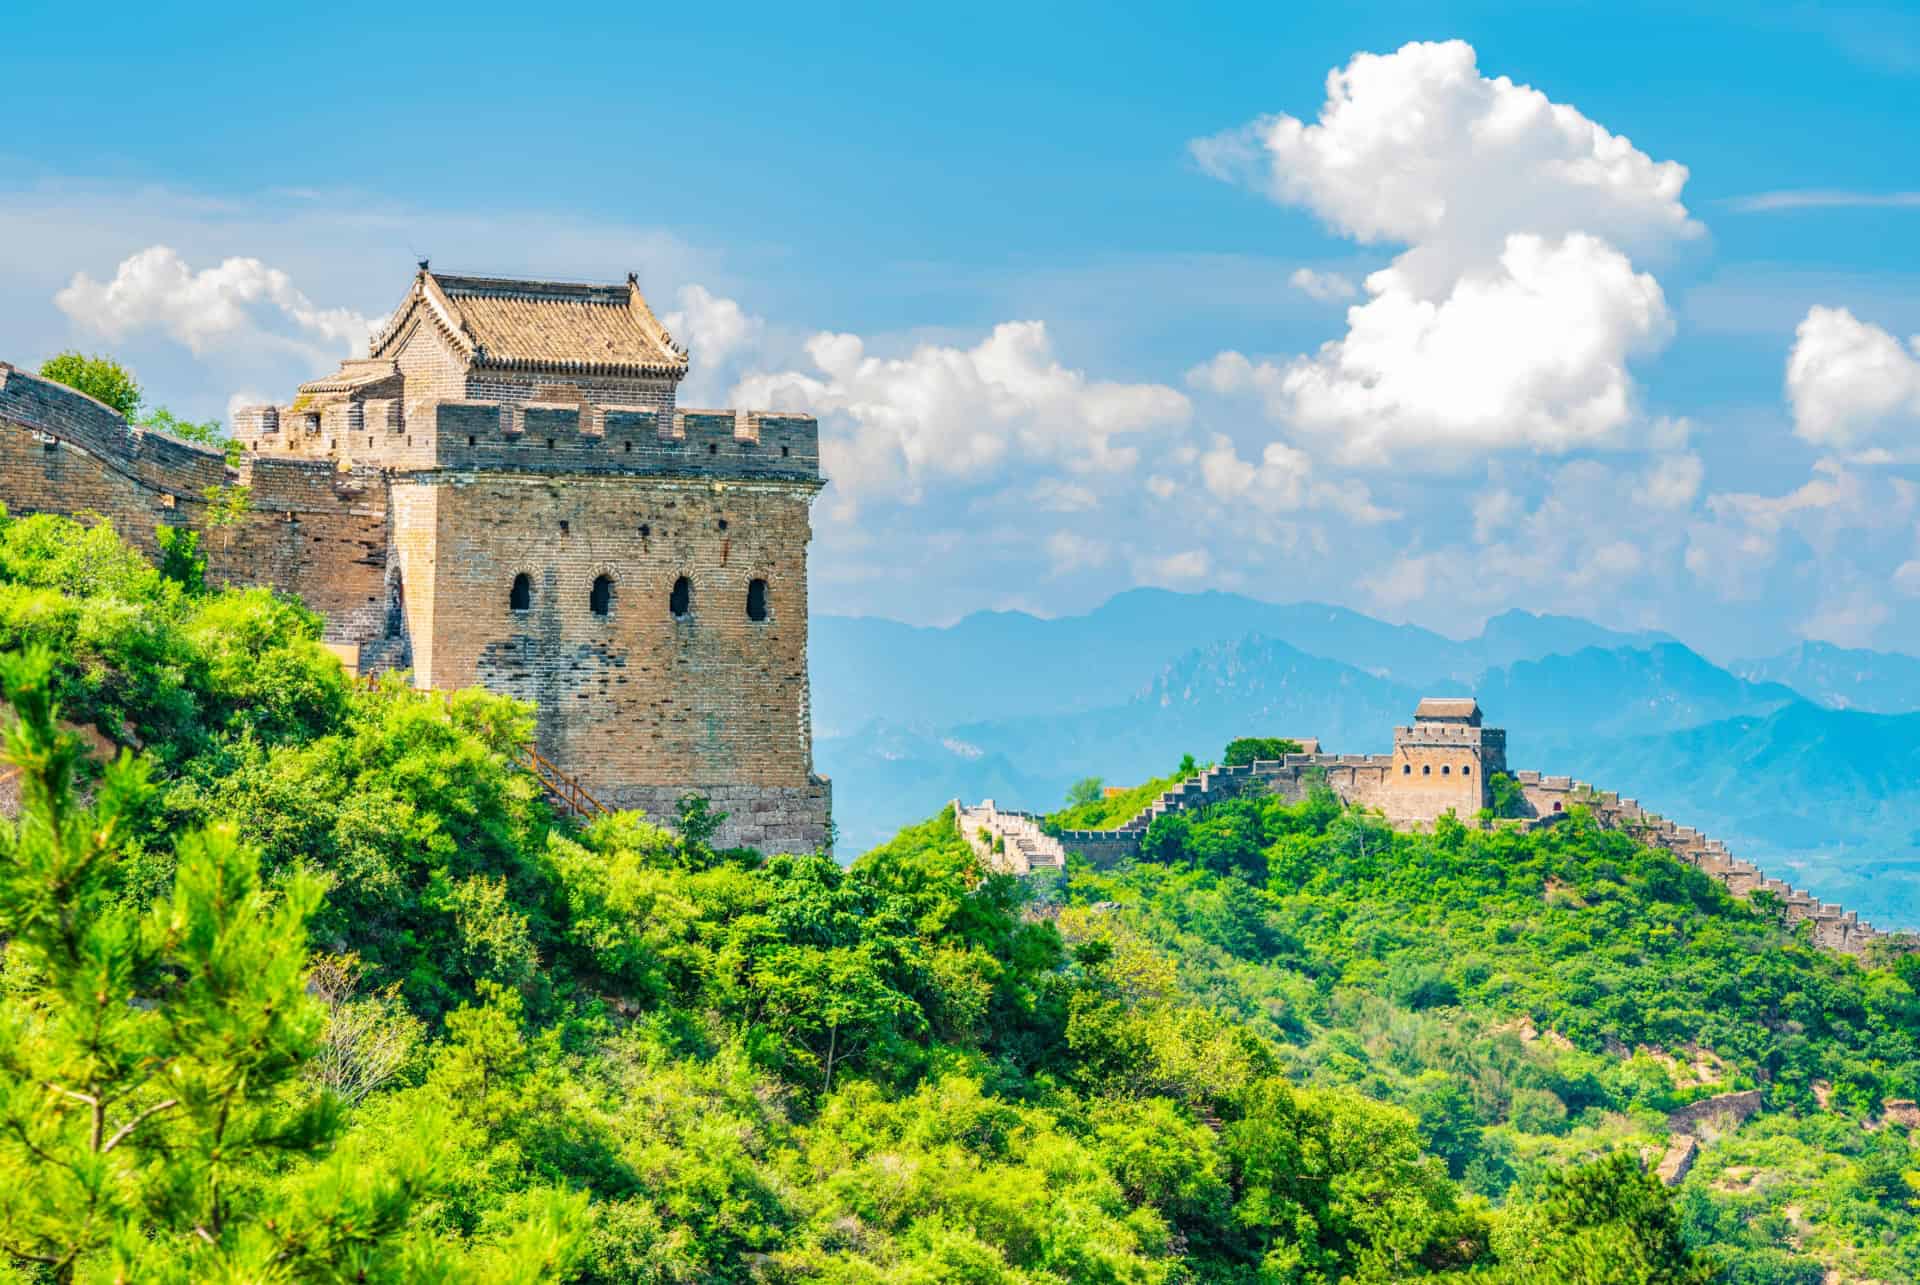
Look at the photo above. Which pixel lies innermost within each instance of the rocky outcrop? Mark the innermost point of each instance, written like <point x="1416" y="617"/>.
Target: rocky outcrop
<point x="1719" y="1114"/>
<point x="1901" y="1112"/>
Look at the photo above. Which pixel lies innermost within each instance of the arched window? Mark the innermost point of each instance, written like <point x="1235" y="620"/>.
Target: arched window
<point x="1406" y="769"/>
<point x="681" y="603"/>
<point x="1446" y="769"/>
<point x="396" y="608"/>
<point x="1466" y="769"/>
<point x="1426" y="769"/>
<point x="757" y="600"/>
<point x="521" y="598"/>
<point x="1556" y="807"/>
<point x="601" y="599"/>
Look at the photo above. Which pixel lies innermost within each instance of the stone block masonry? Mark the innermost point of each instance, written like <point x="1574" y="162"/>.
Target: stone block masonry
<point x="1011" y="842"/>
<point x="504" y="491"/>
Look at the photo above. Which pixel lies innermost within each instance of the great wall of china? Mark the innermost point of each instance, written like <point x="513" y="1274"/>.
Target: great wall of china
<point x="1405" y="788"/>
<point x="505" y="491"/>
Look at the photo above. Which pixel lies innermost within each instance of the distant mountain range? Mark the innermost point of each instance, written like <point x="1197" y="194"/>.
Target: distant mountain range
<point x="1843" y="678"/>
<point x="1013" y="707"/>
<point x="993" y="662"/>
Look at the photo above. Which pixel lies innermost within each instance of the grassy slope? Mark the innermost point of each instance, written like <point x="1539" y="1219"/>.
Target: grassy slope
<point x="1114" y="812"/>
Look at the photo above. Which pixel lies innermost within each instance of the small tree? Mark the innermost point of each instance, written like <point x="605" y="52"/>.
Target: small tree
<point x="150" y="1063"/>
<point x="1603" y="1222"/>
<point x="1088" y="789"/>
<point x="101" y="378"/>
<point x="1251" y="749"/>
<point x="180" y="558"/>
<point x="1505" y="798"/>
<point x="208" y="433"/>
<point x="698" y="821"/>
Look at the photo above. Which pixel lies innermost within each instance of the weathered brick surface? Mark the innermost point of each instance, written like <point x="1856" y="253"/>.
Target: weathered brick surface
<point x="635" y="697"/>
<point x="312" y="530"/>
<point x="402" y="495"/>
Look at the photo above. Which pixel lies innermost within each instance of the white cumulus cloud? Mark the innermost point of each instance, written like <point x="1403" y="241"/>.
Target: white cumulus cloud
<point x="718" y="334"/>
<point x="1283" y="480"/>
<point x="1417" y="147"/>
<point x="1509" y="319"/>
<point x="1327" y="287"/>
<point x="1528" y="351"/>
<point x="1850" y="382"/>
<point x="1068" y="551"/>
<point x="1178" y="569"/>
<point x="948" y="414"/>
<point x="238" y="301"/>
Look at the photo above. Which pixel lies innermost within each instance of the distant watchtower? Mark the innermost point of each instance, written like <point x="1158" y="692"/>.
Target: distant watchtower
<point x="558" y="529"/>
<point x="1442" y="762"/>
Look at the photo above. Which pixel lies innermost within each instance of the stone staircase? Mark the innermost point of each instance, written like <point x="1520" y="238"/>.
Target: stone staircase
<point x="1022" y="847"/>
<point x="1834" y="927"/>
<point x="1208" y="786"/>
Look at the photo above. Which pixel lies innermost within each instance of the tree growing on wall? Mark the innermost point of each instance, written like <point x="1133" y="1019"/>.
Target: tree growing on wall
<point x="1251" y="749"/>
<point x="106" y="380"/>
<point x="101" y="378"/>
<point x="1505" y="796"/>
<point x="1087" y="789"/>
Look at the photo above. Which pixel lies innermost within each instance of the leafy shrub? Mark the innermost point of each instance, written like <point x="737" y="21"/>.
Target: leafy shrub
<point x="1251" y="749"/>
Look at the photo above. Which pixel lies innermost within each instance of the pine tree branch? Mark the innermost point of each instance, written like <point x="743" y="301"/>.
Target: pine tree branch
<point x="88" y="1098"/>
<point x="26" y="1257"/>
<point x="121" y="1133"/>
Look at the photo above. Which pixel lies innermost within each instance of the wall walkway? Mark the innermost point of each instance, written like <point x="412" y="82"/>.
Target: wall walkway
<point x="1361" y="779"/>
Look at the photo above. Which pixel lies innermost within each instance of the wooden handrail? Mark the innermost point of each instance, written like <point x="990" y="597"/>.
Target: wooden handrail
<point x="561" y="787"/>
<point x="564" y="789"/>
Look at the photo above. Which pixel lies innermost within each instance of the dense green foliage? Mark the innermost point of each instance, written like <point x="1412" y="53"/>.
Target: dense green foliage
<point x="101" y="378"/>
<point x="1259" y="749"/>
<point x="1539" y="998"/>
<point x="106" y="380"/>
<point x="373" y="1013"/>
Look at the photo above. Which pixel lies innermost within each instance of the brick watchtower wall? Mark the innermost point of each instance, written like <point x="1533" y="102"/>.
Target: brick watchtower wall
<point x="505" y="492"/>
<point x="1441" y="763"/>
<point x="642" y="704"/>
<point x="545" y="495"/>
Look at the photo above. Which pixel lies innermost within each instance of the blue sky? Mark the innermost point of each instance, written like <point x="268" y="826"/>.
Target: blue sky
<point x="918" y="177"/>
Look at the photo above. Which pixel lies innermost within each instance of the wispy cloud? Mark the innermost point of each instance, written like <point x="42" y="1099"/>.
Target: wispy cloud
<point x="1821" y="198"/>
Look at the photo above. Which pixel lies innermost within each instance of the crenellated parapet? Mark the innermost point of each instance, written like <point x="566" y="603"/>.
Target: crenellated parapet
<point x="1550" y="798"/>
<point x="575" y="438"/>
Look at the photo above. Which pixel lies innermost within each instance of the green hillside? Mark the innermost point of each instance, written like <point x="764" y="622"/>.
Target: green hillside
<point x="310" y="985"/>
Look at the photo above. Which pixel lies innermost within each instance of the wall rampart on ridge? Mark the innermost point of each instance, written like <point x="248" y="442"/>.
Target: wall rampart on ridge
<point x="306" y="527"/>
<point x="1377" y="782"/>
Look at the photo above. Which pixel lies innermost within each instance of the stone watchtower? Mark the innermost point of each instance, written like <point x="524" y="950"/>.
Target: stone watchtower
<point x="559" y="530"/>
<point x="1442" y="762"/>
